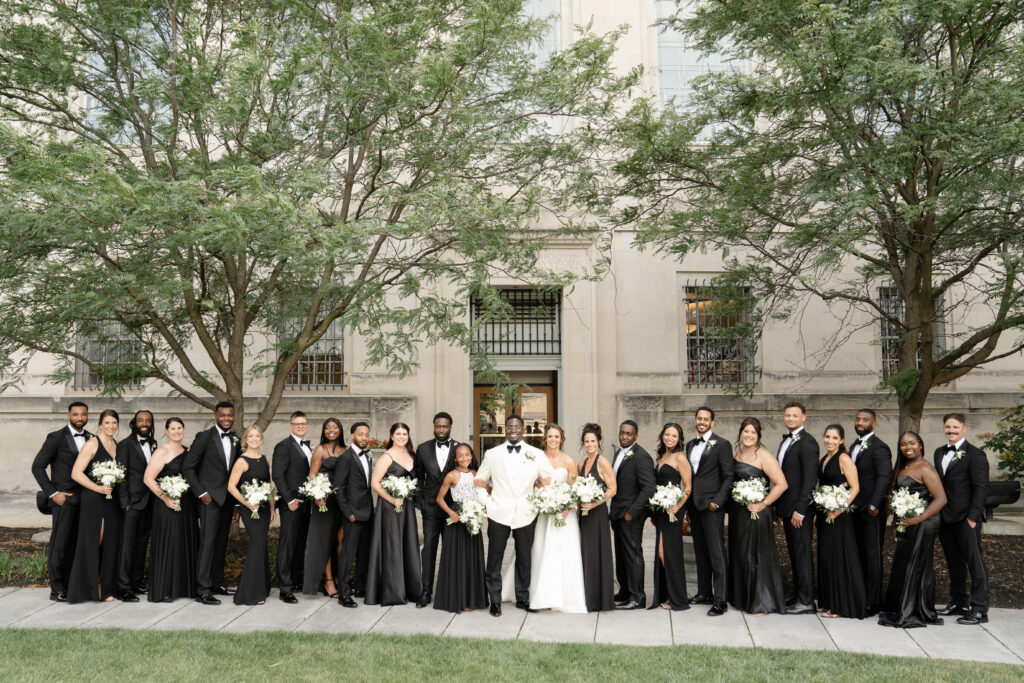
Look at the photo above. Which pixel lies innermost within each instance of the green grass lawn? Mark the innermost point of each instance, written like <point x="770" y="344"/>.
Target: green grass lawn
<point x="114" y="654"/>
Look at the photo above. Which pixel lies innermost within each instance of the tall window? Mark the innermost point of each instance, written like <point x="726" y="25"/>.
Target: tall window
<point x="535" y="327"/>
<point x="549" y="11"/>
<point x="112" y="348"/>
<point x="719" y="350"/>
<point x="322" y="365"/>
<point x="892" y="303"/>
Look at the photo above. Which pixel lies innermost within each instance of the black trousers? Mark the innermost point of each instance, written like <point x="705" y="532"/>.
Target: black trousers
<point x="798" y="543"/>
<point x="60" y="551"/>
<point x="869" y="546"/>
<point x="355" y="547"/>
<point x="962" y="547"/>
<point x="134" y="543"/>
<point x="214" y="525"/>
<point x="434" y="522"/>
<point x="291" y="546"/>
<point x="497" y="539"/>
<point x="629" y="559"/>
<point x="708" y="529"/>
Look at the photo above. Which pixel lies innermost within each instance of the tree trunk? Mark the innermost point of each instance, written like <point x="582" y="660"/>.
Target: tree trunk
<point x="912" y="408"/>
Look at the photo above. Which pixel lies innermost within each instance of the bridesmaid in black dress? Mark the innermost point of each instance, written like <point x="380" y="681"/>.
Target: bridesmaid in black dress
<point x="175" y="546"/>
<point x="393" y="577"/>
<point x="324" y="537"/>
<point x="910" y="596"/>
<point x="672" y="467"/>
<point x="460" y="575"/>
<point x="595" y="529"/>
<point x="755" y="579"/>
<point x="97" y="553"/>
<point x="254" y="584"/>
<point x="841" y="587"/>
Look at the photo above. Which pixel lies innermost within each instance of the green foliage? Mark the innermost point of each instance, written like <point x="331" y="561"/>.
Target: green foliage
<point x="1008" y="443"/>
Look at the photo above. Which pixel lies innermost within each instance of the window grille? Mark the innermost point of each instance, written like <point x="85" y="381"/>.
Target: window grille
<point x="892" y="303"/>
<point x="716" y="354"/>
<point x="115" y="347"/>
<point x="322" y="365"/>
<point x="534" y="328"/>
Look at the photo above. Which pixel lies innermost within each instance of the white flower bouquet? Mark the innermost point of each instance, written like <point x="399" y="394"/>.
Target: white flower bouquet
<point x="665" y="497"/>
<point x="471" y="514"/>
<point x="587" y="490"/>
<point x="317" y="488"/>
<point x="906" y="505"/>
<point x="399" y="487"/>
<point x="107" y="473"/>
<point x="749" y="492"/>
<point x="257" y="493"/>
<point x="830" y="499"/>
<point x="553" y="499"/>
<point x="174" y="486"/>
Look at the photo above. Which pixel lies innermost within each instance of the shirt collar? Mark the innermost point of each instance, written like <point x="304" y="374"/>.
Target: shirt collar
<point x="796" y="431"/>
<point x="866" y="437"/>
<point x="960" y="444"/>
<point x="75" y="431"/>
<point x="297" y="440"/>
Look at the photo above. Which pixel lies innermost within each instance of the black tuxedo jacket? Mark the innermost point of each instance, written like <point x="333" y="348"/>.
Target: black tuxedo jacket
<point x="634" y="484"/>
<point x="133" y="492"/>
<point x="874" y="472"/>
<point x="800" y="467"/>
<point x="59" y="453"/>
<point x="966" y="484"/>
<point x="430" y="477"/>
<point x="712" y="483"/>
<point x="353" y="489"/>
<point x="205" y="468"/>
<point x="289" y="469"/>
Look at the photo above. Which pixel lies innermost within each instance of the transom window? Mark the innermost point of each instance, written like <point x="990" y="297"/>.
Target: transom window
<point x="534" y="327"/>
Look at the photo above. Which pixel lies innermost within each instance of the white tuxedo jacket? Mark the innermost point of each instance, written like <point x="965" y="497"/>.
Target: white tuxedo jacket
<point x="512" y="476"/>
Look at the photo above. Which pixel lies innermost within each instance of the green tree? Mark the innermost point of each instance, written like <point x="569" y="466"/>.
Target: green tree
<point x="1008" y="443"/>
<point x="871" y="144"/>
<point x="191" y="179"/>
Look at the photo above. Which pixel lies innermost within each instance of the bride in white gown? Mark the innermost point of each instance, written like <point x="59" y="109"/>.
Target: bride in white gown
<point x="556" y="572"/>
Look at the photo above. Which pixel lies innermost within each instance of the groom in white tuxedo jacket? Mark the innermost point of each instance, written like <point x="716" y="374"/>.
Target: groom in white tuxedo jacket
<point x="509" y="472"/>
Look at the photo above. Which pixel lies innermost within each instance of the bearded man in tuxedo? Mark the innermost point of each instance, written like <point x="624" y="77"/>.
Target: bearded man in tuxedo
<point x="434" y="459"/>
<point x="133" y="453"/>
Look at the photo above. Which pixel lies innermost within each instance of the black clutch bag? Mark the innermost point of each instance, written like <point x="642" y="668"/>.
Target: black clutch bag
<point x="43" y="502"/>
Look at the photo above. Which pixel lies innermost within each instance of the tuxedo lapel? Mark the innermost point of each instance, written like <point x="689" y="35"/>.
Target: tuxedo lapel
<point x="71" y="440"/>
<point x="297" y="450"/>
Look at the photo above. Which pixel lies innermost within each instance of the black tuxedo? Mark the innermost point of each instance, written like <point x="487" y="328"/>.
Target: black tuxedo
<point x="289" y="470"/>
<point x="966" y="484"/>
<point x="800" y="467"/>
<point x="430" y="478"/>
<point x="634" y="483"/>
<point x="135" y="497"/>
<point x="874" y="472"/>
<point x="712" y="483"/>
<point x="354" y="500"/>
<point x="59" y="453"/>
<point x="206" y="468"/>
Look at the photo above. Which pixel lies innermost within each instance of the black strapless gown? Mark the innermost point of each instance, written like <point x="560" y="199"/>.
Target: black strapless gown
<point x="596" y="549"/>
<point x="460" y="574"/>
<point x="841" y="584"/>
<point x="910" y="596"/>
<point x="755" y="579"/>
<point x="94" y="570"/>
<point x="254" y="584"/>
<point x="322" y="541"/>
<point x="393" y="577"/>
<point x="175" y="548"/>
<point x="670" y="578"/>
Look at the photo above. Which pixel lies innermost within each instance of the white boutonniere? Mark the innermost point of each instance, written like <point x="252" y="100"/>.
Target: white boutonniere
<point x="865" y="443"/>
<point x="628" y="455"/>
<point x="796" y="437"/>
<point x="234" y="440"/>
<point x="87" y="435"/>
<point x="529" y="456"/>
<point x="712" y="442"/>
<point x="959" y="454"/>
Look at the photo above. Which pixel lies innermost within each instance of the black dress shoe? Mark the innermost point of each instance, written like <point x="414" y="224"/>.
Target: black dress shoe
<point x="790" y="602"/>
<point x="801" y="609"/>
<point x="58" y="596"/>
<point x="423" y="601"/>
<point x="872" y="611"/>
<point x="358" y="594"/>
<point x="207" y="599"/>
<point x="347" y="602"/>
<point x="702" y="600"/>
<point x="718" y="609"/>
<point x="495" y="609"/>
<point x="141" y="589"/>
<point x="128" y="596"/>
<point x="289" y="598"/>
<point x="621" y="597"/>
<point x="632" y="604"/>
<point x="973" y="618"/>
<point x="223" y="590"/>
<point x="953" y="610"/>
<point x="525" y="606"/>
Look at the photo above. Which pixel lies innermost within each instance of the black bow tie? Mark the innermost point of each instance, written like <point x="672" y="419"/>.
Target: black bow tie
<point x="304" y="443"/>
<point x="78" y="435"/>
<point x="856" y="442"/>
<point x="787" y="435"/>
<point x="951" y="449"/>
<point x="444" y="444"/>
<point x="514" y="448"/>
<point x="145" y="442"/>
<point x="227" y="434"/>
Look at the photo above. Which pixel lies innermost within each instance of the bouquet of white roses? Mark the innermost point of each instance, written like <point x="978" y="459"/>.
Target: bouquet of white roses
<point x="471" y="514"/>
<point x="665" y="497"/>
<point x="107" y="473"/>
<point x="174" y="485"/>
<point x="830" y="499"/>
<point x="906" y="505"/>
<point x="749" y="492"/>
<point x="587" y="490"/>
<point x="317" y="488"/>
<point x="553" y="499"/>
<point x="399" y="487"/>
<point x="257" y="493"/>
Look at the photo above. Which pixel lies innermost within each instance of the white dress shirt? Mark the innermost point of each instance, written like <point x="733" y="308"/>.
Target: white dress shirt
<point x="698" y="451"/>
<point x="948" y="457"/>
<point x="855" y="453"/>
<point x="784" y="448"/>
<point x="620" y="457"/>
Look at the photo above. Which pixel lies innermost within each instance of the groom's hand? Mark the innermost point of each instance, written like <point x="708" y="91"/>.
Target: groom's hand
<point x="628" y="517"/>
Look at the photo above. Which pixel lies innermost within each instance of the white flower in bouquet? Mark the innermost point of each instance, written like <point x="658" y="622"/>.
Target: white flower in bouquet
<point x="749" y="492"/>
<point x="906" y="505"/>
<point x="553" y="499"/>
<point x="399" y="487"/>
<point x="665" y="497"/>
<point x="830" y="499"/>
<point x="257" y="493"/>
<point x="317" y="488"/>
<point x="174" y="487"/>
<point x="588" y="490"/>
<point x="471" y="514"/>
<point x="107" y="473"/>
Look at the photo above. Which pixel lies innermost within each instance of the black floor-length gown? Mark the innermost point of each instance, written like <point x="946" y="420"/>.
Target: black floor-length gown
<point x="322" y="540"/>
<point x="393" y="577"/>
<point x="755" y="579"/>
<point x="174" y="551"/>
<point x="95" y="567"/>
<point x="596" y="548"/>
<point x="910" y="595"/>
<point x="841" y="585"/>
<point x="460" y="574"/>
<point x="254" y="584"/>
<point x="670" y="578"/>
